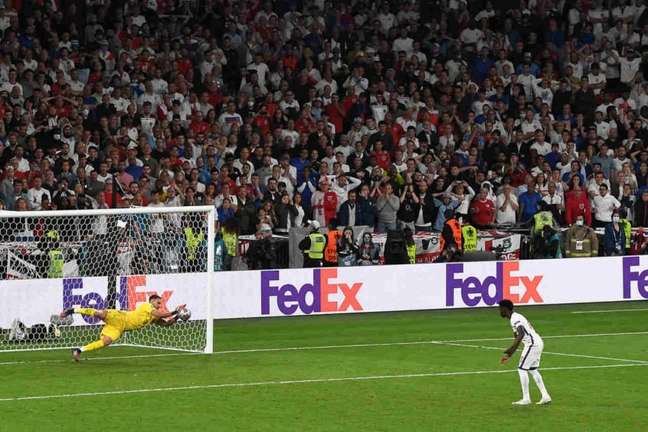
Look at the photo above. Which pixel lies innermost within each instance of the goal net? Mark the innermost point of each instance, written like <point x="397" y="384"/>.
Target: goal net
<point x="104" y="259"/>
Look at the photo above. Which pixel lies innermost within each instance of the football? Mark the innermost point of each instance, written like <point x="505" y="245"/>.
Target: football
<point x="184" y="314"/>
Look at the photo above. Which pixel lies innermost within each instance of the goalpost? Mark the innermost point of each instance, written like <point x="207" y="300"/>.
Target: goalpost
<point x="105" y="259"/>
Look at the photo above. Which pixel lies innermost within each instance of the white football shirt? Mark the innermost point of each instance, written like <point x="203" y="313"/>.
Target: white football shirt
<point x="531" y="337"/>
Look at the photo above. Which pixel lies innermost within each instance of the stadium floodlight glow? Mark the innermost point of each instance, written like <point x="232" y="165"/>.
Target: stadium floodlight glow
<point x="105" y="259"/>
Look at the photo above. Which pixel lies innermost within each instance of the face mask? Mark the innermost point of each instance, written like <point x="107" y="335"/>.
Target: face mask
<point x="615" y="219"/>
<point x="580" y="222"/>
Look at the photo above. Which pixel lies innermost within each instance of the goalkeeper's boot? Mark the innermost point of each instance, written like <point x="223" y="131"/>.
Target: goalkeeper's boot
<point x="66" y="313"/>
<point x="76" y="354"/>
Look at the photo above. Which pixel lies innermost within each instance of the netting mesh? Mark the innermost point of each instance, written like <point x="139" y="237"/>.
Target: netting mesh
<point x="101" y="261"/>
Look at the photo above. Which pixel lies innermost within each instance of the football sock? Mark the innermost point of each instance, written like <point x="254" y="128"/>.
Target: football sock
<point x="85" y="311"/>
<point x="100" y="344"/>
<point x="524" y="382"/>
<point x="540" y="383"/>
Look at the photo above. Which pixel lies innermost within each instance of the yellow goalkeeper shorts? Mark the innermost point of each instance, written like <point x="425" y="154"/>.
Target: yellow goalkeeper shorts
<point x="114" y="326"/>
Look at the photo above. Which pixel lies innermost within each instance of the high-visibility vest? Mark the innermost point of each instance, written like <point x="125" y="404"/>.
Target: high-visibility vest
<point x="541" y="220"/>
<point x="56" y="264"/>
<point x="469" y="238"/>
<point x="231" y="242"/>
<point x="627" y="230"/>
<point x="456" y="232"/>
<point x="330" y="253"/>
<point x="411" y="253"/>
<point x="317" y="243"/>
<point x="192" y="241"/>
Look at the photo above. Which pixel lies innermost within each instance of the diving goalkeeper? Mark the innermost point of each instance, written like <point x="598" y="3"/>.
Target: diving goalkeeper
<point x="117" y="321"/>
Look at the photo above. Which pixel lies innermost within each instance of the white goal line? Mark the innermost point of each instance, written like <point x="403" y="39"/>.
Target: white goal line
<point x="583" y="312"/>
<point x="302" y="381"/>
<point x="327" y="347"/>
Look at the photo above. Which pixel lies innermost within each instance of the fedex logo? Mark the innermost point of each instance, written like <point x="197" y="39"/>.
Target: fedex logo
<point x="132" y="291"/>
<point x="506" y="283"/>
<point x="73" y="296"/>
<point x="289" y="298"/>
<point x="630" y="276"/>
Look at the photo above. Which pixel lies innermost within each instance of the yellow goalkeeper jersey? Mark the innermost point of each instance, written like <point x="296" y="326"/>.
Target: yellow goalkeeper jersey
<point x="139" y="317"/>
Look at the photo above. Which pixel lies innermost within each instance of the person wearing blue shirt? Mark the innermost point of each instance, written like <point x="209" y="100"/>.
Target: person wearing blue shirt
<point x="481" y="66"/>
<point x="447" y="202"/>
<point x="576" y="170"/>
<point x="529" y="201"/>
<point x="225" y="211"/>
<point x="554" y="156"/>
<point x="301" y="162"/>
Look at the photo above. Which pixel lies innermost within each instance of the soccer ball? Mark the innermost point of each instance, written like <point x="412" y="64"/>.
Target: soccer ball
<point x="184" y="314"/>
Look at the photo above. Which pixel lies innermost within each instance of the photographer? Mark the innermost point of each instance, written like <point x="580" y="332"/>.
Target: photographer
<point x="347" y="249"/>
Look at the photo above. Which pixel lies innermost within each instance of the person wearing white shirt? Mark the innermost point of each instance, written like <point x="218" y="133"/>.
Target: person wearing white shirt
<point x="553" y="198"/>
<point x="36" y="193"/>
<point x="596" y="79"/>
<point x="356" y="82"/>
<point x="507" y="206"/>
<point x="470" y="36"/>
<point x="542" y="90"/>
<point x="602" y="127"/>
<point x="9" y="85"/>
<point x="386" y="18"/>
<point x="342" y="185"/>
<point x="630" y="65"/>
<point x="526" y="79"/>
<point x="597" y="16"/>
<point x="541" y="146"/>
<point x="604" y="206"/>
<point x="403" y="43"/>
<point x="260" y="67"/>
<point x="620" y="159"/>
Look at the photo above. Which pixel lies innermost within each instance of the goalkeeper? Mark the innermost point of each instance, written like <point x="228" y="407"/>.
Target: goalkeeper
<point x="117" y="321"/>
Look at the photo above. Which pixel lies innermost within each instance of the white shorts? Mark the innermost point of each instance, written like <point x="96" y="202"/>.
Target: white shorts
<point x="530" y="358"/>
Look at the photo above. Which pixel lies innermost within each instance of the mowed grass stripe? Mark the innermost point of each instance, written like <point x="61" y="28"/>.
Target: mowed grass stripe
<point x="303" y="381"/>
<point x="340" y="346"/>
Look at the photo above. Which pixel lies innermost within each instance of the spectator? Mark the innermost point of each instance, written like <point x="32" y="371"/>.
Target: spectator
<point x="368" y="252"/>
<point x="482" y="210"/>
<point x="387" y="206"/>
<point x="409" y="207"/>
<point x="347" y="249"/>
<point x="641" y="210"/>
<point x="286" y="213"/>
<point x="507" y="206"/>
<point x="248" y="111"/>
<point x="529" y="201"/>
<point x="604" y="207"/>
<point x="349" y="213"/>
<point x="577" y="204"/>
<point x="446" y="204"/>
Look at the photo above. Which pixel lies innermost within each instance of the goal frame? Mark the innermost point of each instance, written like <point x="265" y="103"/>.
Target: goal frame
<point x="210" y="211"/>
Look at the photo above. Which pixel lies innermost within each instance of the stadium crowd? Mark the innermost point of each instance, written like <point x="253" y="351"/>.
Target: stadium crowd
<point x="389" y="114"/>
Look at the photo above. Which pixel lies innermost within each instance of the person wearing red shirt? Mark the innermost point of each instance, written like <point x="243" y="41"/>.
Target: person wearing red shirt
<point x="198" y="125"/>
<point x="336" y="113"/>
<point x="262" y="121"/>
<point x="576" y="204"/>
<point x="482" y="210"/>
<point x="516" y="171"/>
<point x="383" y="158"/>
<point x="395" y="130"/>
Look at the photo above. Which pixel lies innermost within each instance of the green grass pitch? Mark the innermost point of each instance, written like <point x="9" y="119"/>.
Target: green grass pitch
<point x="410" y="371"/>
